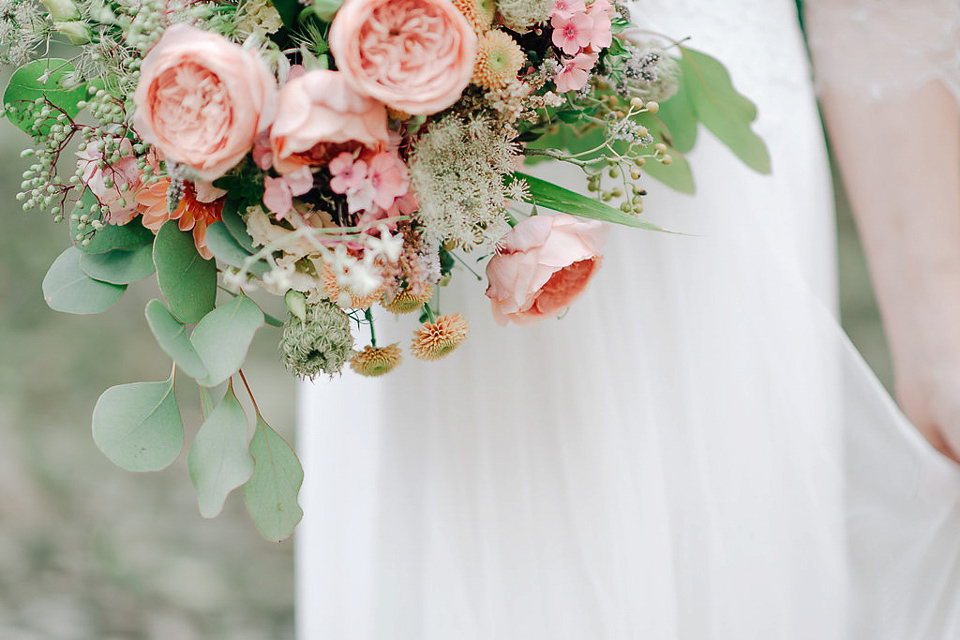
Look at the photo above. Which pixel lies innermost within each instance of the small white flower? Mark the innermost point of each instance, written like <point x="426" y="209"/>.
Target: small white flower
<point x="388" y="246"/>
<point x="361" y="280"/>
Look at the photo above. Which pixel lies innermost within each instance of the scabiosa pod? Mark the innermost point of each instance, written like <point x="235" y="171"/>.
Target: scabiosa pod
<point x="321" y="343"/>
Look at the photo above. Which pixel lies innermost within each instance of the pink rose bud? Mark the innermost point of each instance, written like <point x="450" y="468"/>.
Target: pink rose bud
<point x="542" y="265"/>
<point x="321" y="115"/>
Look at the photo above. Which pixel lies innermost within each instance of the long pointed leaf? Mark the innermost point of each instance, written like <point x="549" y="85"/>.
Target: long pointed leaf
<point x="550" y="196"/>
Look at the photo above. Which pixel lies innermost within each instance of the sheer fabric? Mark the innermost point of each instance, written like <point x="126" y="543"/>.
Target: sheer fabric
<point x="877" y="47"/>
<point x="695" y="451"/>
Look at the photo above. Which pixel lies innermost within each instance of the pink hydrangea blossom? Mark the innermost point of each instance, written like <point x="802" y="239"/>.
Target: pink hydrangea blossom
<point x="575" y="72"/>
<point x="278" y="192"/>
<point x="567" y="8"/>
<point x="571" y="33"/>
<point x="348" y="173"/>
<point x="277" y="196"/>
<point x="389" y="179"/>
<point x="600" y="34"/>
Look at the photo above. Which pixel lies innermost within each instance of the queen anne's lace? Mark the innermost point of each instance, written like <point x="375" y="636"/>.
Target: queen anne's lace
<point x="877" y="47"/>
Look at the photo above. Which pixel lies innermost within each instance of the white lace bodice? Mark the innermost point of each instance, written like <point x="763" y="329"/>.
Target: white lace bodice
<point x="882" y="46"/>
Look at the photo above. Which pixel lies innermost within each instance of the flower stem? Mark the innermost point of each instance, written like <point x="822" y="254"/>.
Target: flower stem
<point x="373" y="335"/>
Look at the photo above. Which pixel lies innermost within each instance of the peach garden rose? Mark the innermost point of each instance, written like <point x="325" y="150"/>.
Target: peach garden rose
<point x="319" y="115"/>
<point x="415" y="55"/>
<point x="541" y="266"/>
<point x="202" y="100"/>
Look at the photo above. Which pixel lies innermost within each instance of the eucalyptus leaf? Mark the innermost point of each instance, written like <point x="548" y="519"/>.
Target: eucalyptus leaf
<point x="172" y="337"/>
<point x="187" y="281"/>
<point x="219" y="461"/>
<point x="119" y="266"/>
<point x="550" y="196"/>
<point x="67" y="288"/>
<point x="223" y="336"/>
<point x="721" y="109"/>
<point x="45" y="78"/>
<point x="225" y="248"/>
<point x="271" y="493"/>
<point x="111" y="237"/>
<point x="138" y="425"/>
<point x="236" y="226"/>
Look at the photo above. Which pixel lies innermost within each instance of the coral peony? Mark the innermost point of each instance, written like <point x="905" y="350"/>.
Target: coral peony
<point x="202" y="100"/>
<point x="417" y="56"/>
<point x="542" y="265"/>
<point x="320" y="115"/>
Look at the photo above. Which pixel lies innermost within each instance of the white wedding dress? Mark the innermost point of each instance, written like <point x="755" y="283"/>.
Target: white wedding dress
<point x="694" y="452"/>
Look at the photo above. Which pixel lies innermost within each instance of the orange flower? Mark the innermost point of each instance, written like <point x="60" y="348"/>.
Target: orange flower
<point x="190" y="213"/>
<point x="435" y="340"/>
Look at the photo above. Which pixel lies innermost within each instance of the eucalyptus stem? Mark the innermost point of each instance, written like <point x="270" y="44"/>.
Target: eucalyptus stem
<point x="249" y="392"/>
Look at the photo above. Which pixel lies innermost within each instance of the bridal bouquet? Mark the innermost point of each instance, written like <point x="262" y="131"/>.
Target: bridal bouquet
<point x="341" y="155"/>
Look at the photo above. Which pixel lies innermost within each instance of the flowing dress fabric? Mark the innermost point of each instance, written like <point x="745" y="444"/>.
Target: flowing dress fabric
<point x="694" y="451"/>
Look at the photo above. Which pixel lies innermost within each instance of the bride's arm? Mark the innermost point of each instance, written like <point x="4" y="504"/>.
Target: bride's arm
<point x="896" y="139"/>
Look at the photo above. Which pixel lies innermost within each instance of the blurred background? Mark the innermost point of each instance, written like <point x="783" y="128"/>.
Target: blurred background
<point x="91" y="552"/>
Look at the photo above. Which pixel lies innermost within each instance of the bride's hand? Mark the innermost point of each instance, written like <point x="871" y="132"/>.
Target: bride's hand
<point x="930" y="398"/>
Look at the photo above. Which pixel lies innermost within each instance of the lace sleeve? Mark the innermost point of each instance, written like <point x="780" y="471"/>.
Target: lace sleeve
<point x="876" y="47"/>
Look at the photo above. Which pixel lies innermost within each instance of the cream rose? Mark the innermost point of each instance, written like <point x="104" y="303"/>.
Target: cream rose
<point x="202" y="100"/>
<point x="318" y="114"/>
<point x="541" y="266"/>
<point x="415" y="55"/>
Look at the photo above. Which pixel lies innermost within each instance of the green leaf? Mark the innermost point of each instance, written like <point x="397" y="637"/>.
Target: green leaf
<point x="678" y="121"/>
<point x="187" y="281"/>
<point x="218" y="460"/>
<point x="67" y="288"/>
<point x="38" y="79"/>
<point x="237" y="227"/>
<point x="119" y="266"/>
<point x="223" y="336"/>
<point x="288" y="10"/>
<point x="722" y="110"/>
<point x="271" y="493"/>
<point x="128" y="237"/>
<point x="138" y="426"/>
<point x="676" y="175"/>
<point x="226" y="249"/>
<point x="172" y="337"/>
<point x="550" y="196"/>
